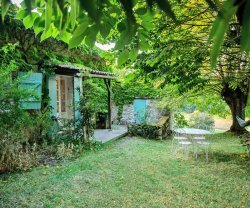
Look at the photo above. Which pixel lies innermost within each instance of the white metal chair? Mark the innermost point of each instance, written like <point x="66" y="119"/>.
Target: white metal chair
<point x="206" y="146"/>
<point x="178" y="142"/>
<point x="185" y="147"/>
<point x="194" y="141"/>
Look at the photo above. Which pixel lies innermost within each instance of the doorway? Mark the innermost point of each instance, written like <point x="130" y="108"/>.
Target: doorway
<point x="64" y="96"/>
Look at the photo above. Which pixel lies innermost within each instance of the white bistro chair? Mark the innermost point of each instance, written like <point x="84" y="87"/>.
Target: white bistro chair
<point x="195" y="145"/>
<point x="185" y="147"/>
<point x="205" y="146"/>
<point x="180" y="142"/>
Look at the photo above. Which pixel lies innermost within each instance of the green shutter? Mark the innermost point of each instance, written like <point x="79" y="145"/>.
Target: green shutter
<point x="77" y="91"/>
<point x="32" y="83"/>
<point x="51" y="82"/>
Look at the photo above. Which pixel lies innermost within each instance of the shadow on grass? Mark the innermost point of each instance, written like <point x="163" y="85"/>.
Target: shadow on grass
<point x="240" y="159"/>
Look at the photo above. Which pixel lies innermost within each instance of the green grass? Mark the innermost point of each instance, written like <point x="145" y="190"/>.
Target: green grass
<point x="134" y="172"/>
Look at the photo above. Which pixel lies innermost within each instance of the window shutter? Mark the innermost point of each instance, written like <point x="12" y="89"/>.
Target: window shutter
<point x="32" y="82"/>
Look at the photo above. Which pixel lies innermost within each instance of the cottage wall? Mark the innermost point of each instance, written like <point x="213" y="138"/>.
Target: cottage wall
<point x="128" y="114"/>
<point x="153" y="113"/>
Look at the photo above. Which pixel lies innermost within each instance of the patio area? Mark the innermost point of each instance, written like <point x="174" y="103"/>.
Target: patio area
<point x="106" y="135"/>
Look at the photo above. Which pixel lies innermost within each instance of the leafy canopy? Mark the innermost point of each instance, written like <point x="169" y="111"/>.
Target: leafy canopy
<point x="122" y="21"/>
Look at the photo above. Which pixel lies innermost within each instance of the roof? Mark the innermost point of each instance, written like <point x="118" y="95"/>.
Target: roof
<point x="67" y="69"/>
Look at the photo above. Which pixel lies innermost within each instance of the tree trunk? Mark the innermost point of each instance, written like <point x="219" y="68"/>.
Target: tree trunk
<point x="236" y="99"/>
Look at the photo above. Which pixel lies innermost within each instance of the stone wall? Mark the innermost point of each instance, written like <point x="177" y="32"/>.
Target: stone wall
<point x="153" y="113"/>
<point x="127" y="114"/>
<point x="114" y="113"/>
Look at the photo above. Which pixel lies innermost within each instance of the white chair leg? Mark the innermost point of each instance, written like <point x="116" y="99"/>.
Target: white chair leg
<point x="187" y="151"/>
<point x="207" y="146"/>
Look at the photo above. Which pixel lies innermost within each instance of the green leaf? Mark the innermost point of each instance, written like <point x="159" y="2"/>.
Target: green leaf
<point x="55" y="31"/>
<point x="75" y="41"/>
<point x="143" y="44"/>
<point x="22" y="14"/>
<point x="125" y="37"/>
<point x="106" y="26"/>
<point x="147" y="21"/>
<point x="141" y="11"/>
<point x="61" y="4"/>
<point x="128" y="8"/>
<point x="73" y="13"/>
<point x="166" y="7"/>
<point x="123" y="40"/>
<point x="212" y="5"/>
<point x="28" y="5"/>
<point x="245" y="36"/>
<point x="121" y="26"/>
<point x="104" y="30"/>
<point x="46" y="34"/>
<point x="150" y="3"/>
<point x="82" y="27"/>
<point x="65" y="37"/>
<point x="133" y="54"/>
<point x="91" y="33"/>
<point x="48" y="14"/>
<point x="5" y="6"/>
<point x="123" y="57"/>
<point x="219" y="29"/>
<point x="38" y="26"/>
<point x="29" y="20"/>
<point x="91" y="7"/>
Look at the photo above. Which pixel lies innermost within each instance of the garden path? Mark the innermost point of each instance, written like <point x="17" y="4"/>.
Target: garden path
<point x="105" y="135"/>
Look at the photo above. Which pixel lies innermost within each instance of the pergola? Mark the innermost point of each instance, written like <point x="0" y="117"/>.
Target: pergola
<point x="70" y="70"/>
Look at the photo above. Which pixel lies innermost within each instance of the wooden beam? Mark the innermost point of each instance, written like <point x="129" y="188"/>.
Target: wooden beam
<point x="99" y="76"/>
<point x="108" y="85"/>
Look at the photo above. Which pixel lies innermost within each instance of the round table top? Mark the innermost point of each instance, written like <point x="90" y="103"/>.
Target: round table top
<point x="191" y="131"/>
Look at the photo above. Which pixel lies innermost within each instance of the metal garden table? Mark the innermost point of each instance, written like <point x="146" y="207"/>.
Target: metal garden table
<point x="196" y="136"/>
<point x="191" y="132"/>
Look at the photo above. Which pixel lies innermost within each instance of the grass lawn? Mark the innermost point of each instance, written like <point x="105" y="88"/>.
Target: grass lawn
<point x="134" y="172"/>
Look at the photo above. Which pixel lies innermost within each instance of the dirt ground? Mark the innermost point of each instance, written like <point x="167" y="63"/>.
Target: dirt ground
<point x="219" y="123"/>
<point x="222" y="123"/>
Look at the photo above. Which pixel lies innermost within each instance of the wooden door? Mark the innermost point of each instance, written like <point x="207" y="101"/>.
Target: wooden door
<point x="140" y="110"/>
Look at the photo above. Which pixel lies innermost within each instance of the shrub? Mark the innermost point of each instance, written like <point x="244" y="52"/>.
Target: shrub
<point x="13" y="156"/>
<point x="202" y="121"/>
<point x="65" y="151"/>
<point x="145" y="130"/>
<point x="20" y="130"/>
<point x="180" y="121"/>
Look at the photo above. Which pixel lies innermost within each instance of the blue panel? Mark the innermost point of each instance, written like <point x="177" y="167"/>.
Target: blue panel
<point x="52" y="93"/>
<point x="77" y="92"/>
<point x="140" y="110"/>
<point x="32" y="84"/>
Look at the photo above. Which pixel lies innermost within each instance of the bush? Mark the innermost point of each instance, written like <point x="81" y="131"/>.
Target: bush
<point x="13" y="156"/>
<point x="180" y="121"/>
<point x="145" y="130"/>
<point x="202" y="121"/>
<point x="20" y="131"/>
<point x="65" y="151"/>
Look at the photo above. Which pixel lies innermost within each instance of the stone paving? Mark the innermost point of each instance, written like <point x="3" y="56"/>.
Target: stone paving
<point x="105" y="135"/>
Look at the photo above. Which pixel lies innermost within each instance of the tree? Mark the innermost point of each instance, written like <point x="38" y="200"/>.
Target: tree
<point x="180" y="57"/>
<point x="77" y="21"/>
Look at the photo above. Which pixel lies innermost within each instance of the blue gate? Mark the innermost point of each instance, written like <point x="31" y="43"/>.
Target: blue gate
<point x="140" y="110"/>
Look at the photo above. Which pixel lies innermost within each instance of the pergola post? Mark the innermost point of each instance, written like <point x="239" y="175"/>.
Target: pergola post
<point x="108" y="85"/>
